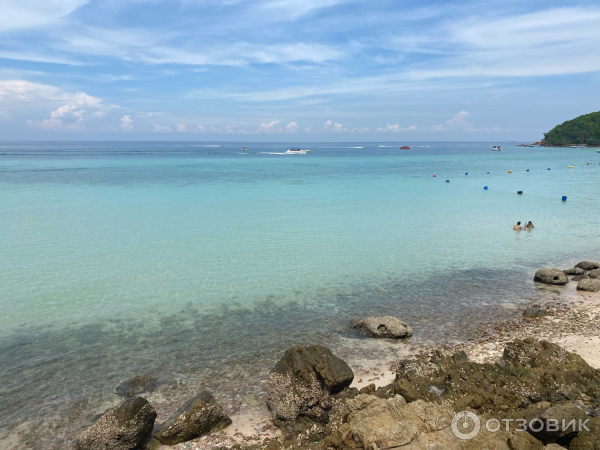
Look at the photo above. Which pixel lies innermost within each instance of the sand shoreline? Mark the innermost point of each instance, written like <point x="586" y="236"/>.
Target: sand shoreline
<point x="571" y="323"/>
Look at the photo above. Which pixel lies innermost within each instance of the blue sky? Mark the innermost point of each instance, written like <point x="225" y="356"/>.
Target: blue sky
<point x="282" y="70"/>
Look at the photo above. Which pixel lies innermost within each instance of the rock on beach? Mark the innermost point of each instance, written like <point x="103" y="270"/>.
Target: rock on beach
<point x="551" y="276"/>
<point x="303" y="379"/>
<point x="574" y="271"/>
<point x="589" y="284"/>
<point x="383" y="327"/>
<point x="588" y="265"/>
<point x="125" y="427"/>
<point x="197" y="417"/>
<point x="533" y="313"/>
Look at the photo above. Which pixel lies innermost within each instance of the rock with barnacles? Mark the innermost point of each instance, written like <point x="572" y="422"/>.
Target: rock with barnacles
<point x="551" y="276"/>
<point x="383" y="327"/>
<point x="197" y="417"/>
<point x="125" y="427"/>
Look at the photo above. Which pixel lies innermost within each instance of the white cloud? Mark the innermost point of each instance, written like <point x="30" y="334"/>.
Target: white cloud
<point x="359" y="130"/>
<point x="396" y="128"/>
<point x="291" y="127"/>
<point x="271" y="127"/>
<point x="201" y="128"/>
<point x="181" y="128"/>
<point x="334" y="127"/>
<point x="19" y="14"/>
<point x="161" y="128"/>
<point x="126" y="123"/>
<point x="458" y="122"/>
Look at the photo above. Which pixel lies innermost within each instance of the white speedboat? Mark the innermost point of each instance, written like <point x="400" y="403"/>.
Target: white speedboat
<point x="296" y="151"/>
<point x="244" y="149"/>
<point x="577" y="146"/>
<point x="496" y="148"/>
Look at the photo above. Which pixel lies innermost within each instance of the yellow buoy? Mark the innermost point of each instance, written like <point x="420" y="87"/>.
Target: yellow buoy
<point x="570" y="167"/>
<point x="510" y="171"/>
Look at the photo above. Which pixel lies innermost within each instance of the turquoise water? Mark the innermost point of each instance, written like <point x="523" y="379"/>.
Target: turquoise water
<point x="121" y="258"/>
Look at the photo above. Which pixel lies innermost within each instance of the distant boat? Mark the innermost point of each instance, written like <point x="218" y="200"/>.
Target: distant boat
<point x="405" y="147"/>
<point x="496" y="148"/>
<point x="296" y="151"/>
<point x="244" y="149"/>
<point x="577" y="146"/>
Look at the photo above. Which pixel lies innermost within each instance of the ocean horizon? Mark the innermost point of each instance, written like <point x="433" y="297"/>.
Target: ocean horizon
<point x="188" y="261"/>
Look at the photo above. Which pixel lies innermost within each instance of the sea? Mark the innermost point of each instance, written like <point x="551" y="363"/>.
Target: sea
<point x="202" y="262"/>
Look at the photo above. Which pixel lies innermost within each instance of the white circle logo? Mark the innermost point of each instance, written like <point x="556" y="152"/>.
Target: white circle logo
<point x="465" y="425"/>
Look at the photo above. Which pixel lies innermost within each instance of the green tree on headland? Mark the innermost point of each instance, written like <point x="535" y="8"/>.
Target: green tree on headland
<point x="582" y="130"/>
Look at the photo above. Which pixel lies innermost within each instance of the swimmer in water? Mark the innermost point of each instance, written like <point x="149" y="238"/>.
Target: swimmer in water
<point x="517" y="226"/>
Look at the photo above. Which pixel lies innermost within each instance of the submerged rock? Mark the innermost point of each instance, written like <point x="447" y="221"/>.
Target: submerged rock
<point x="197" y="417"/>
<point x="136" y="385"/>
<point x="383" y="327"/>
<point x="533" y="313"/>
<point x="589" y="284"/>
<point x="551" y="276"/>
<point x="574" y="271"/>
<point x="125" y="427"/>
<point x="307" y="390"/>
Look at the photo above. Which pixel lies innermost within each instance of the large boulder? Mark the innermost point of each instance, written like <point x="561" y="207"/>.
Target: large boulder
<point x="588" y="265"/>
<point x="197" y="417"/>
<point x="383" y="327"/>
<point x="125" y="427"/>
<point x="302" y="381"/>
<point x="574" y="271"/>
<point x="589" y="284"/>
<point x="551" y="276"/>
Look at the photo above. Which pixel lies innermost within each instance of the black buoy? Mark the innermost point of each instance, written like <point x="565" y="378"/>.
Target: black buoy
<point x="527" y="170"/>
<point x="520" y="192"/>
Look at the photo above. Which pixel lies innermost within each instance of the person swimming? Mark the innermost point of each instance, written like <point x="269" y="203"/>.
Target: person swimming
<point x="517" y="226"/>
<point x="529" y="225"/>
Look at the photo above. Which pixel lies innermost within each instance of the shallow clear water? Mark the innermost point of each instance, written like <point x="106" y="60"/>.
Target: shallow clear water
<point x="123" y="258"/>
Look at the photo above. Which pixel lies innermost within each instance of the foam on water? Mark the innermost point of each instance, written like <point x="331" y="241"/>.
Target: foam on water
<point x="176" y="258"/>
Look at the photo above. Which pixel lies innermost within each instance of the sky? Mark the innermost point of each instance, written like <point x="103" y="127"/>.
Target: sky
<point x="296" y="70"/>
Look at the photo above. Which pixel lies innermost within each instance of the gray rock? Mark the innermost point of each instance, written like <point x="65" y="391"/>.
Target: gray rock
<point x="580" y="277"/>
<point x="554" y="447"/>
<point x="125" y="427"/>
<point x="374" y="423"/>
<point x="302" y="381"/>
<point x="533" y="313"/>
<point x="588" y="265"/>
<point x="383" y="327"/>
<point x="594" y="273"/>
<point x="251" y="400"/>
<point x="589" y="285"/>
<point x="197" y="417"/>
<point x="136" y="385"/>
<point x="551" y="276"/>
<point x="574" y="271"/>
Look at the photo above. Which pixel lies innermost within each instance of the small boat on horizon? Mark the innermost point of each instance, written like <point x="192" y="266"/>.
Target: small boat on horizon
<point x="244" y="149"/>
<point x="296" y="151"/>
<point x="496" y="148"/>
<point x="577" y="146"/>
<point x="405" y="147"/>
